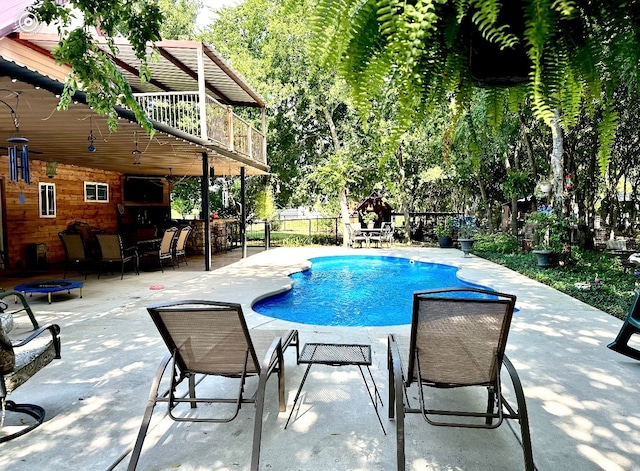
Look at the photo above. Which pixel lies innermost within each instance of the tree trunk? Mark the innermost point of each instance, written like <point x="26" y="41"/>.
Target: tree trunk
<point x="557" y="168"/>
<point x="527" y="145"/>
<point x="404" y="197"/>
<point x="342" y="192"/>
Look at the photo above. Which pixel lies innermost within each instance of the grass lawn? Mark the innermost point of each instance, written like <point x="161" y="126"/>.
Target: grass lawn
<point x="617" y="287"/>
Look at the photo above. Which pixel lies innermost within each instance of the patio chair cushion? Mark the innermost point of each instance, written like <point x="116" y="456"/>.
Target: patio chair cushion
<point x="7" y="356"/>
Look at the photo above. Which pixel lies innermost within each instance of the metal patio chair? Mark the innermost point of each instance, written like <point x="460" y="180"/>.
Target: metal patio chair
<point x="209" y="338"/>
<point x="456" y="342"/>
<point x="113" y="251"/>
<point x="74" y="252"/>
<point x="181" y="245"/>
<point x="355" y="236"/>
<point x="19" y="361"/>
<point x="630" y="327"/>
<point x="165" y="251"/>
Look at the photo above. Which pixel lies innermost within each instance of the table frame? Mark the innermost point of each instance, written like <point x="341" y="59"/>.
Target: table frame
<point x="339" y="354"/>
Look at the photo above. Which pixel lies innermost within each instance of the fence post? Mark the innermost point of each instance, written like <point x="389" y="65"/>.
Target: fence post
<point x="267" y="235"/>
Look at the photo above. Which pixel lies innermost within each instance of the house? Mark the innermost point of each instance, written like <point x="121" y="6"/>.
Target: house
<point x="79" y="170"/>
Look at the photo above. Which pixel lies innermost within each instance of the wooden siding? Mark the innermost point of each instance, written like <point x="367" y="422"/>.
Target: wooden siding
<point x="25" y="227"/>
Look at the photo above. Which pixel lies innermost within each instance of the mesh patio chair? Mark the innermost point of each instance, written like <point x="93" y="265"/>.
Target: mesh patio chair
<point x="181" y="244"/>
<point x="113" y="251"/>
<point x="456" y="342"/>
<point x="630" y="327"/>
<point x="165" y="251"/>
<point x="19" y="361"/>
<point x="74" y="252"/>
<point x="212" y="339"/>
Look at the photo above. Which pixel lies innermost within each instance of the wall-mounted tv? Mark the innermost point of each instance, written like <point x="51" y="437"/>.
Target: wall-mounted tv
<point x="143" y="190"/>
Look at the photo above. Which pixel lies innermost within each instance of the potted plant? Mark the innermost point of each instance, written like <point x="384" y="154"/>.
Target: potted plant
<point x="549" y="232"/>
<point x="443" y="233"/>
<point x="467" y="230"/>
<point x="369" y="219"/>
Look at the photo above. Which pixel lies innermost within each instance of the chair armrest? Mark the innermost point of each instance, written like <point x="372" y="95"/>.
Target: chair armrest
<point x="396" y="381"/>
<point x="273" y="357"/>
<point x="54" y="330"/>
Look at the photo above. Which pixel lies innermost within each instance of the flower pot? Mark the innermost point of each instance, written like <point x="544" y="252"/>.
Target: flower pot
<point x="445" y="242"/>
<point x="546" y="258"/>
<point x="465" y="246"/>
<point x="370" y="225"/>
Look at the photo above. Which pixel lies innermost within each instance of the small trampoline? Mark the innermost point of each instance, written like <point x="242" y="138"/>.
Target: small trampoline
<point x="49" y="286"/>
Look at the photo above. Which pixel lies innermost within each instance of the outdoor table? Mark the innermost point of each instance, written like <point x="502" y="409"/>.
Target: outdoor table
<point x="149" y="244"/>
<point x="339" y="354"/>
<point x="49" y="286"/>
<point x="369" y="233"/>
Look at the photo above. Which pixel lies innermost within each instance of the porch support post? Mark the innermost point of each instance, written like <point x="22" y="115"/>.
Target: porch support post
<point x="202" y="96"/>
<point x="243" y="213"/>
<point x="206" y="211"/>
<point x="264" y="136"/>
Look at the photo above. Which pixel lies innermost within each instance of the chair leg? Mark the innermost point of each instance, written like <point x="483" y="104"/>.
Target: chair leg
<point x="620" y="344"/>
<point x="257" y="428"/>
<point x="523" y="415"/>
<point x="32" y="410"/>
<point x="396" y="400"/>
<point x="146" y="420"/>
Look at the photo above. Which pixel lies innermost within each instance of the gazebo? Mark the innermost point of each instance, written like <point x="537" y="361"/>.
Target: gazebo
<point x="374" y="204"/>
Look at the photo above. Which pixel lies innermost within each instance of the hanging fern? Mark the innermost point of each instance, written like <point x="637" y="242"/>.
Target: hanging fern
<point x="422" y="50"/>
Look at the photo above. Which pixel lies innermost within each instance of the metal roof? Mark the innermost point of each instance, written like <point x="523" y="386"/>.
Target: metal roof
<point x="26" y="67"/>
<point x="174" y="68"/>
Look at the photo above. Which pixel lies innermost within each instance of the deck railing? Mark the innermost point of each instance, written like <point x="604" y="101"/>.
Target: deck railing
<point x="181" y="110"/>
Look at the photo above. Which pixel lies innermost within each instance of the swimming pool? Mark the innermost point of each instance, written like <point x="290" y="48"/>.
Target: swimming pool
<point x="357" y="290"/>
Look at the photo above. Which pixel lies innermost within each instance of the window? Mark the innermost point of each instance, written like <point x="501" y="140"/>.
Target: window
<point x="96" y="192"/>
<point x="47" y="200"/>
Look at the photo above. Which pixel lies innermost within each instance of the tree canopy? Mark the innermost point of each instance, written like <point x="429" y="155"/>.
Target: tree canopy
<point x="569" y="55"/>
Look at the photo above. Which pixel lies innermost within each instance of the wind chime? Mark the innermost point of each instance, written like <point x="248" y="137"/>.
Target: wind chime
<point x="18" y="159"/>
<point x="136" y="152"/>
<point x="91" y="147"/>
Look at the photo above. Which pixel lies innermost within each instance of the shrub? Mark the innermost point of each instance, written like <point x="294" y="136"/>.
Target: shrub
<point x="500" y="242"/>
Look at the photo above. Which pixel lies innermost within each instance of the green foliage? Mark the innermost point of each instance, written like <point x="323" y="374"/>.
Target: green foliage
<point x="579" y="53"/>
<point x="92" y="69"/>
<point x="615" y="295"/>
<point x="551" y="229"/>
<point x="179" y="18"/>
<point x="264" y="204"/>
<point x="517" y="184"/>
<point x="499" y="242"/>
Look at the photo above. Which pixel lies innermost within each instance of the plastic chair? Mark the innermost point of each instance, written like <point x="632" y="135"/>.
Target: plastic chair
<point x="211" y="338"/>
<point x="630" y="327"/>
<point x="456" y="342"/>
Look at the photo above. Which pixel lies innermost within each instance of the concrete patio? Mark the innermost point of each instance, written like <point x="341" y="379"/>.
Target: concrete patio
<point x="582" y="397"/>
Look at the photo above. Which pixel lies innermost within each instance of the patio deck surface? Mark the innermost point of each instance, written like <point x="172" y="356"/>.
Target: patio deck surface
<point x="582" y="397"/>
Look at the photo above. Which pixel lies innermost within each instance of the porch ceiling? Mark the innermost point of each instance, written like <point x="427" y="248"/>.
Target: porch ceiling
<point x="62" y="136"/>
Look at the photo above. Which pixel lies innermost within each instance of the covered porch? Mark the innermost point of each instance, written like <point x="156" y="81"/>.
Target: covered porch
<point x="190" y="101"/>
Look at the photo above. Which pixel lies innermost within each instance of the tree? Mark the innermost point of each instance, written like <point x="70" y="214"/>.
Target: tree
<point x="179" y="18"/>
<point x="92" y="69"/>
<point x="569" y="55"/>
<point x="317" y="146"/>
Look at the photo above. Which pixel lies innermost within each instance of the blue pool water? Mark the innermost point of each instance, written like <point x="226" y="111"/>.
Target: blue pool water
<point x="357" y="291"/>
